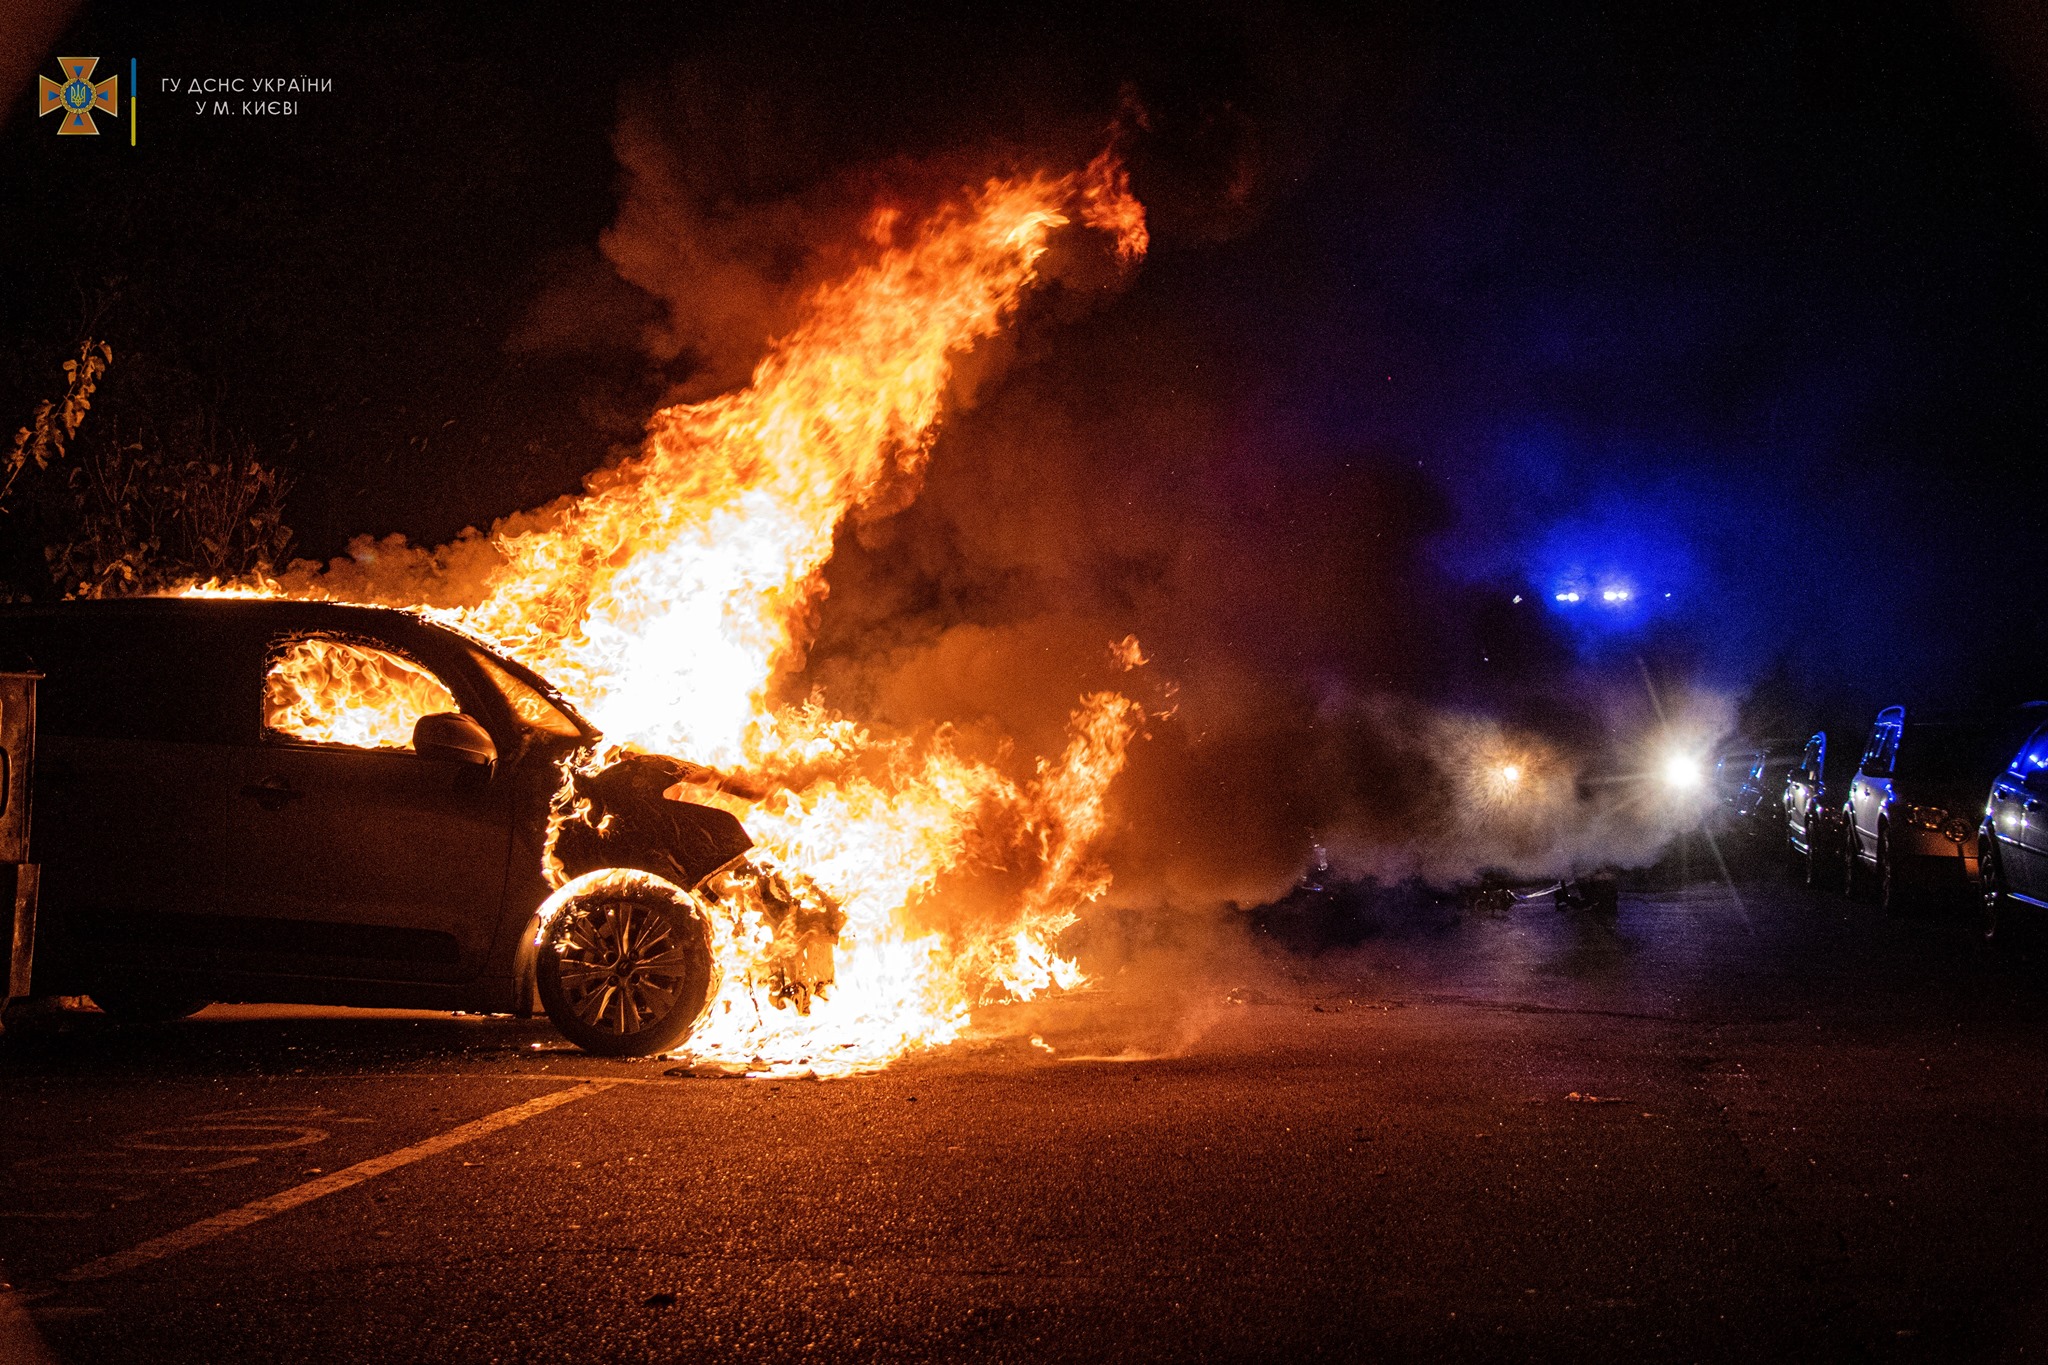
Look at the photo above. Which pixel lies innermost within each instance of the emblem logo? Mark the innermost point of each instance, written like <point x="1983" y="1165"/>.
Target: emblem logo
<point x="78" y="98"/>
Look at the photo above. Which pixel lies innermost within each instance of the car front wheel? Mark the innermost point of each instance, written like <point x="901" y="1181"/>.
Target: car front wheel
<point x="1852" y="870"/>
<point x="624" y="974"/>
<point x="1991" y="884"/>
<point x="1896" y="894"/>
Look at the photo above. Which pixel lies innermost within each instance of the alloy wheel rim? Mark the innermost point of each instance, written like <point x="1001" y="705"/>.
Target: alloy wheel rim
<point x="620" y="964"/>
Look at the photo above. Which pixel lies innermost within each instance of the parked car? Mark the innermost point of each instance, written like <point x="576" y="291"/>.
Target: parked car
<point x="1814" y="793"/>
<point x="1916" y="799"/>
<point x="252" y="800"/>
<point x="1749" y="786"/>
<point x="2012" y="865"/>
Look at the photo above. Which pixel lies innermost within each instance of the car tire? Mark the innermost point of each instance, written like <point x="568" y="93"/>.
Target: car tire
<point x="1813" y="867"/>
<point x="1991" y="888"/>
<point x="133" y="1003"/>
<point x="624" y="973"/>
<point x="1895" y="895"/>
<point x="1852" y="869"/>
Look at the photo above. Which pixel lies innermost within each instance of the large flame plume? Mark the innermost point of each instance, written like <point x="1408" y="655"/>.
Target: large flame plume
<point x="671" y="598"/>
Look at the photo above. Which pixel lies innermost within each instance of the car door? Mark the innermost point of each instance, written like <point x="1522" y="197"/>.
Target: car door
<point x="2024" y="807"/>
<point x="1870" y="790"/>
<point x="352" y="855"/>
<point x="1799" y="791"/>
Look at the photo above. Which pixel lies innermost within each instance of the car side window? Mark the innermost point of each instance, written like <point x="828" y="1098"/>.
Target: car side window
<point x="2033" y="756"/>
<point x="318" y="689"/>
<point x="526" y="703"/>
<point x="1809" y="761"/>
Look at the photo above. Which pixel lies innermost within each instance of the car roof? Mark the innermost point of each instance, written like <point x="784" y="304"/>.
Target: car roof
<point x="281" y="613"/>
<point x="206" y="608"/>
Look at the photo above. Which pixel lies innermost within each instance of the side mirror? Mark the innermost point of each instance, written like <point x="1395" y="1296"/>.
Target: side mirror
<point x="452" y="737"/>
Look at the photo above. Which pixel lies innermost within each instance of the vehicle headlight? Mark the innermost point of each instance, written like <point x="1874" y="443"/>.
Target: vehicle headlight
<point x="1682" y="772"/>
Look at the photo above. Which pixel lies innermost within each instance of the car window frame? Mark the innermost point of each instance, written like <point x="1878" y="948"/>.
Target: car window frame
<point x="486" y="660"/>
<point x="275" y="639"/>
<point x="1881" y="754"/>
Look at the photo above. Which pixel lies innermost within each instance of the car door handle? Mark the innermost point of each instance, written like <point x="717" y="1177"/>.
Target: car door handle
<point x="272" y="793"/>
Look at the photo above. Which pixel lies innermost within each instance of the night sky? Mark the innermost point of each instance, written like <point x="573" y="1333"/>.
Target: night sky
<point x="1741" y="304"/>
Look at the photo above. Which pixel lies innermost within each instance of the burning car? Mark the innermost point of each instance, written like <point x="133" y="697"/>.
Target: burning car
<point x="259" y="800"/>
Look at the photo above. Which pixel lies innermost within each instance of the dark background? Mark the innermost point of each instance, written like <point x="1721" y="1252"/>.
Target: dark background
<point x="1446" y="307"/>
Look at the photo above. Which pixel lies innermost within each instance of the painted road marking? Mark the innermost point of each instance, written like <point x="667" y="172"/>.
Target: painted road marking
<point x="221" y="1224"/>
<point x="121" y="1175"/>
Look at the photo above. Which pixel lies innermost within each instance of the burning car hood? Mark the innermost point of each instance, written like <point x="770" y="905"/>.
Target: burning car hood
<point x="619" y="816"/>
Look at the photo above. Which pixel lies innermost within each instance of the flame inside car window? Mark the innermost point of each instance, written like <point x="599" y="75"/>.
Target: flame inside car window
<point x="326" y="691"/>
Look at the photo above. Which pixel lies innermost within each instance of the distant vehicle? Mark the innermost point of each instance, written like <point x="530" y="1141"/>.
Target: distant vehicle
<point x="1815" y="790"/>
<point x="1915" y="802"/>
<point x="308" y="802"/>
<point x="2012" y="865"/>
<point x="1749" y="785"/>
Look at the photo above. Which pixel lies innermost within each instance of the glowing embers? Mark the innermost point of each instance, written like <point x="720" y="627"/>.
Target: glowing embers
<point x="321" y="690"/>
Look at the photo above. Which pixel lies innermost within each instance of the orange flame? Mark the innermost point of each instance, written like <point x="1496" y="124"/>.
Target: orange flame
<point x="328" y="692"/>
<point x="671" y="596"/>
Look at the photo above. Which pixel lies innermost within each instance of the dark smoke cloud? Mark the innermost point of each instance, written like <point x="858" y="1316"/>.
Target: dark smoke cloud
<point x="744" y="168"/>
<point x="1318" y="684"/>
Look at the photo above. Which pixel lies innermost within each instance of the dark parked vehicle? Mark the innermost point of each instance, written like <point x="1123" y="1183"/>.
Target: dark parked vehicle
<point x="1916" y="801"/>
<point x="2013" y="837"/>
<point x="257" y="800"/>
<point x="1815" y="790"/>
<point x="1749" y="784"/>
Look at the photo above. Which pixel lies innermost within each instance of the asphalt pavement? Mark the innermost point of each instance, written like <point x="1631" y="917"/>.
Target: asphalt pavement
<point x="1741" y="1120"/>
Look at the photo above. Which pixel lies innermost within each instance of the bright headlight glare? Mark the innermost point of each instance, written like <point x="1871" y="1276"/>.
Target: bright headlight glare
<point x="1682" y="772"/>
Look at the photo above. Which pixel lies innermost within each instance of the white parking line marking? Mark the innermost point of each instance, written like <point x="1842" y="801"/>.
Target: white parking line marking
<point x="221" y="1224"/>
